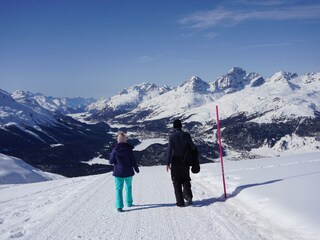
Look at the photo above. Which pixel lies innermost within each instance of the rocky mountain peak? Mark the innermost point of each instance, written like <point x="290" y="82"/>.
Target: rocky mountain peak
<point x="282" y="76"/>
<point x="143" y="89"/>
<point x="195" y="84"/>
<point x="311" y="78"/>
<point x="19" y="94"/>
<point x="233" y="80"/>
<point x="236" y="71"/>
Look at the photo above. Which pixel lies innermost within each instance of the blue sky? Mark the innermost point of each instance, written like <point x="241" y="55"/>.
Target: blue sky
<point x="95" y="48"/>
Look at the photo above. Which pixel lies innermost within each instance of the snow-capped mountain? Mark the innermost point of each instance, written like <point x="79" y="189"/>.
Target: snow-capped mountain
<point x="282" y="76"/>
<point x="194" y="93"/>
<point x="282" y="95"/>
<point x="190" y="94"/>
<point x="278" y="98"/>
<point x="195" y="84"/>
<point x="259" y="117"/>
<point x="255" y="113"/>
<point x="13" y="112"/>
<point x="126" y="100"/>
<point x="236" y="79"/>
<point x="64" y="105"/>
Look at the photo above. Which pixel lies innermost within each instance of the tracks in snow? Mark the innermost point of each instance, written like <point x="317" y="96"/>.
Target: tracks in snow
<point x="83" y="208"/>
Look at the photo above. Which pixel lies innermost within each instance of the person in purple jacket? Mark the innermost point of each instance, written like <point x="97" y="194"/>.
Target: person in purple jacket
<point x="124" y="166"/>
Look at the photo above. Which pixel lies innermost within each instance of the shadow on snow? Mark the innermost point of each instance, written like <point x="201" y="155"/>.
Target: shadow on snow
<point x="209" y="201"/>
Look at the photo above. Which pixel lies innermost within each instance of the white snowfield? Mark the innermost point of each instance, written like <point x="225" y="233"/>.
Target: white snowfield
<point x="276" y="198"/>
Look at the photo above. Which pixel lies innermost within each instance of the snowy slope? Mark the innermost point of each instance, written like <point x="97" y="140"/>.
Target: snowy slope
<point x="14" y="170"/>
<point x="267" y="199"/>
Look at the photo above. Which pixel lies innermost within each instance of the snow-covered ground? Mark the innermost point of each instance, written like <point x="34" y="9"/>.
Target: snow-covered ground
<point x="146" y="143"/>
<point x="14" y="170"/>
<point x="98" y="160"/>
<point x="274" y="198"/>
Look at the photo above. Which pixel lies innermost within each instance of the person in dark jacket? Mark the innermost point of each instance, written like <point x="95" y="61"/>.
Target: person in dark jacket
<point x="180" y="175"/>
<point x="124" y="166"/>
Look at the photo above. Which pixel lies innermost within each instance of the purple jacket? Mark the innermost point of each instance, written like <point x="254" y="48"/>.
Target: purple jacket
<point x="123" y="160"/>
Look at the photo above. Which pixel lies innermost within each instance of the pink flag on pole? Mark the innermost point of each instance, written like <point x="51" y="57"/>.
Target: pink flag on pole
<point x="220" y="148"/>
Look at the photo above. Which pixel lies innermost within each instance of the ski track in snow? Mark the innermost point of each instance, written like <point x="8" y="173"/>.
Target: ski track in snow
<point x="83" y="208"/>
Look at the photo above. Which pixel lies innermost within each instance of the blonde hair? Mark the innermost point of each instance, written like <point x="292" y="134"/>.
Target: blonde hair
<point x="121" y="137"/>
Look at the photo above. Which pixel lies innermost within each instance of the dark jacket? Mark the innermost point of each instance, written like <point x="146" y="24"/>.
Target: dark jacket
<point x="178" y="142"/>
<point x="123" y="160"/>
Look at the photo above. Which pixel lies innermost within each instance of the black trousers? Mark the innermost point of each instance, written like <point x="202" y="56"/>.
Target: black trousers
<point x="180" y="175"/>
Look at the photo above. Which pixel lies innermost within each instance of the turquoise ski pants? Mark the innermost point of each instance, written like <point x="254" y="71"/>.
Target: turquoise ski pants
<point x="119" y="181"/>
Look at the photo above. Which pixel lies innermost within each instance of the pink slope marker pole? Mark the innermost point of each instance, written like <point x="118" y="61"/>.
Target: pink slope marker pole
<point x="220" y="148"/>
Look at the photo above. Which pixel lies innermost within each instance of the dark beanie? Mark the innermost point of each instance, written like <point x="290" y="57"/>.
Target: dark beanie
<point x="177" y="124"/>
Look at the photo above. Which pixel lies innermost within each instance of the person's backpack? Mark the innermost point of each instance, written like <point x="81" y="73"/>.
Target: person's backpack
<point x="191" y="158"/>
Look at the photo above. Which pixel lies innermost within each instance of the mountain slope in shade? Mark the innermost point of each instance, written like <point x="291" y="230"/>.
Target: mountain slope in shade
<point x="50" y="141"/>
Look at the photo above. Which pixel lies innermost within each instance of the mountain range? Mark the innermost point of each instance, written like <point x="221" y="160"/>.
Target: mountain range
<point x="259" y="117"/>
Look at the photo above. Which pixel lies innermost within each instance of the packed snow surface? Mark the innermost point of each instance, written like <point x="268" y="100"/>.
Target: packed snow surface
<point x="272" y="198"/>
